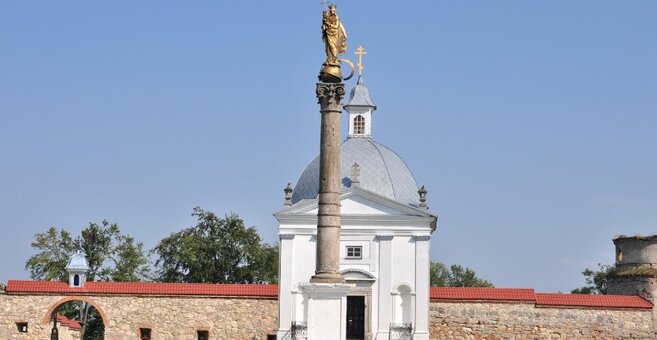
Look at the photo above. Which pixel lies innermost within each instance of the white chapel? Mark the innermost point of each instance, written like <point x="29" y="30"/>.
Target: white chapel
<point x="384" y="240"/>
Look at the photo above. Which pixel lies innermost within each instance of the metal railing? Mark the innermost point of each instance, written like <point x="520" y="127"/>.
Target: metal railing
<point x="299" y="330"/>
<point x="401" y="331"/>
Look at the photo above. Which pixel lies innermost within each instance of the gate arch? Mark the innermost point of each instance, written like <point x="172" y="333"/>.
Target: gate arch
<point x="54" y="306"/>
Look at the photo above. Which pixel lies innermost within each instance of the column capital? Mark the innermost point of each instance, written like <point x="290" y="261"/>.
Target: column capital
<point x="384" y="237"/>
<point x="286" y="236"/>
<point x="329" y="96"/>
<point x="417" y="238"/>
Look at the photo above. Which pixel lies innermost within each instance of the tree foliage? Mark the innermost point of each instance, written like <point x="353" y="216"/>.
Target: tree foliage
<point x="54" y="250"/>
<point x="216" y="250"/>
<point x="596" y="280"/>
<point x="455" y="276"/>
<point x="110" y="254"/>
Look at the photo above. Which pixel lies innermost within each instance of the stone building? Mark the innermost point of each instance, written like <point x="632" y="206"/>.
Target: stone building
<point x="384" y="238"/>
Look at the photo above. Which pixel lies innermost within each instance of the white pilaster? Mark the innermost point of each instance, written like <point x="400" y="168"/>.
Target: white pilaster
<point x="385" y="286"/>
<point x="422" y="262"/>
<point x="285" y="301"/>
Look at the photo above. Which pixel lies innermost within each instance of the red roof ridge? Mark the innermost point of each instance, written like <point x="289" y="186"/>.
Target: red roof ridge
<point x="539" y="299"/>
<point x="592" y="301"/>
<point x="144" y="288"/>
<point x="269" y="291"/>
<point x="482" y="293"/>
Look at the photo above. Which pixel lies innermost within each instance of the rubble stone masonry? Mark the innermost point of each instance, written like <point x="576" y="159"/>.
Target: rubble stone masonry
<point x="179" y="317"/>
<point x="168" y="318"/>
<point x="481" y="320"/>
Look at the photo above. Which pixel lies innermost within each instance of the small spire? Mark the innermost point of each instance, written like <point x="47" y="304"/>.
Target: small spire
<point x="288" y="194"/>
<point x="360" y="105"/>
<point x="355" y="175"/>
<point x="423" y="197"/>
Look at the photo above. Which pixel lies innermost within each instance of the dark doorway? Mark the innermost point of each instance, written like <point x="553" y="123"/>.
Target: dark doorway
<point x="355" y="317"/>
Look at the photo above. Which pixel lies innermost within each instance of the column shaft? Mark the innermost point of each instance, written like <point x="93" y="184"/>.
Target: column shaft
<point x="327" y="268"/>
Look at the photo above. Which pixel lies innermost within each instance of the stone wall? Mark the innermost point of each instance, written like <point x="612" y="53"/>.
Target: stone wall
<point x="485" y="320"/>
<point x="168" y="317"/>
<point x="643" y="285"/>
<point x="180" y="317"/>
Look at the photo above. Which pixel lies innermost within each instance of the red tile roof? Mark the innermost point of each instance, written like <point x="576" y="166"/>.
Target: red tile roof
<point x="471" y="293"/>
<point x="144" y="288"/>
<point x="539" y="299"/>
<point x="71" y="324"/>
<point x="468" y="294"/>
<point x="584" y="300"/>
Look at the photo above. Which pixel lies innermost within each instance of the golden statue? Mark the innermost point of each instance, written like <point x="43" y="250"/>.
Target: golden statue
<point x="335" y="41"/>
<point x="333" y="35"/>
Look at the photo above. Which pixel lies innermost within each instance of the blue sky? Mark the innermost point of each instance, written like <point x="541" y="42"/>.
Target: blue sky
<point x="532" y="124"/>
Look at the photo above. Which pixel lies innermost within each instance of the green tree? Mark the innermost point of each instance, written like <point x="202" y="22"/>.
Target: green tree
<point x="54" y="250"/>
<point x="216" y="250"/>
<point x="130" y="261"/>
<point x="111" y="255"/>
<point x="454" y="276"/>
<point x="596" y="280"/>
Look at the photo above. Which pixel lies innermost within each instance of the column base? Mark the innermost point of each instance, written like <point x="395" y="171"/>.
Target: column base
<point x="327" y="278"/>
<point x="327" y="309"/>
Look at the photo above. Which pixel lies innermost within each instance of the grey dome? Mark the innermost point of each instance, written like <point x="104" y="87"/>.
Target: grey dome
<point x="381" y="171"/>
<point x="78" y="262"/>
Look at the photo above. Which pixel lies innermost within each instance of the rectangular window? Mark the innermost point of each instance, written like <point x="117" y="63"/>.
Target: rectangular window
<point x="354" y="252"/>
<point x="144" y="334"/>
<point x="22" y="327"/>
<point x="203" y="335"/>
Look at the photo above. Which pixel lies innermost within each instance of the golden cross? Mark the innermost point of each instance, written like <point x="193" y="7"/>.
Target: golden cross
<point x="360" y="52"/>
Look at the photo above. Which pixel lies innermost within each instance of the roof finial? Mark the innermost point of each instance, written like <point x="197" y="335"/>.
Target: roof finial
<point x="423" y="197"/>
<point x="360" y="52"/>
<point x="288" y="194"/>
<point x="355" y="175"/>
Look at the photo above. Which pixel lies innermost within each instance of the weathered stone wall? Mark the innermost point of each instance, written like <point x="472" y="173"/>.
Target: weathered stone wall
<point x="180" y="317"/>
<point x="479" y="320"/>
<point x="644" y="286"/>
<point x="168" y="317"/>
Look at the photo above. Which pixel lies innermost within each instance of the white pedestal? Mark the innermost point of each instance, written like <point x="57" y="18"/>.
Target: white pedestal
<point x="327" y="310"/>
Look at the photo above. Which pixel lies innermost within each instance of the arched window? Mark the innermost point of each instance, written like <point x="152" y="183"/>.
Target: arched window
<point x="359" y="125"/>
<point x="76" y="280"/>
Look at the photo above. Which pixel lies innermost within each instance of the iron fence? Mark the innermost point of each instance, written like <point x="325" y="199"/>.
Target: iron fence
<point x="400" y="331"/>
<point x="299" y="330"/>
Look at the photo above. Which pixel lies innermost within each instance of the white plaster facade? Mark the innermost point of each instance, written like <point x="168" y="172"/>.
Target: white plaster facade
<point x="392" y="273"/>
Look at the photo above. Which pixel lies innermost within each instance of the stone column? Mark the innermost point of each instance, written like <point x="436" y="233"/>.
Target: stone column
<point x="327" y="270"/>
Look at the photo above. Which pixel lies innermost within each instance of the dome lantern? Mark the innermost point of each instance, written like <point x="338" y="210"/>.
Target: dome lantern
<point x="77" y="269"/>
<point x="360" y="108"/>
